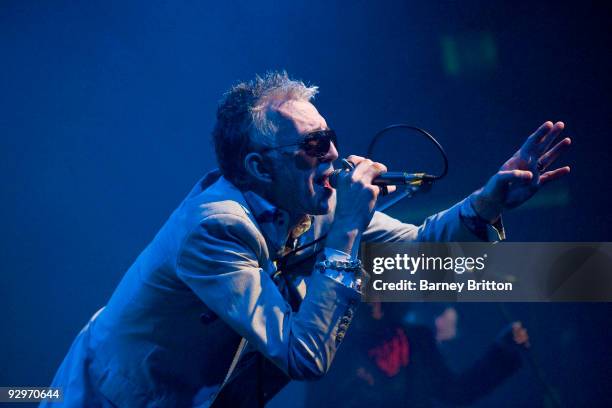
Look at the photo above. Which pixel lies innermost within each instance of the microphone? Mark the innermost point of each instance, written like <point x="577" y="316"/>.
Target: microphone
<point x="390" y="178"/>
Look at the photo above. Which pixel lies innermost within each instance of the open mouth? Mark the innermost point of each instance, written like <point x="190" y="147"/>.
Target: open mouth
<point x="323" y="180"/>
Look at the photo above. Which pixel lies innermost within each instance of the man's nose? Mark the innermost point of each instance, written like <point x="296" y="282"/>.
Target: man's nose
<point x="332" y="154"/>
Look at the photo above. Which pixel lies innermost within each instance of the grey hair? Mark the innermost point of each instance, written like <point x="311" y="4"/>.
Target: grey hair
<point x="244" y="117"/>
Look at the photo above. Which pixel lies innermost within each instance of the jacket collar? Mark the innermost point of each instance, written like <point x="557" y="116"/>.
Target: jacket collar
<point x="273" y="222"/>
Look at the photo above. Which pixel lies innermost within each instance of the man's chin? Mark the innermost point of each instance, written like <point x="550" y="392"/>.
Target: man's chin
<point x="321" y="206"/>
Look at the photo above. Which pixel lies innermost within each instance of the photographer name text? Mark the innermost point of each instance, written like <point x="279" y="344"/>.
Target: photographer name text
<point x="425" y="285"/>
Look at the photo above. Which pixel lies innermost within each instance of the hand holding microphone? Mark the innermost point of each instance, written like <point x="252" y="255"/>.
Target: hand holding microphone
<point x="356" y="197"/>
<point x="358" y="186"/>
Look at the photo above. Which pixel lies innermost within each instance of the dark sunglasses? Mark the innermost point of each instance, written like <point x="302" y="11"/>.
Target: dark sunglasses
<point x="315" y="144"/>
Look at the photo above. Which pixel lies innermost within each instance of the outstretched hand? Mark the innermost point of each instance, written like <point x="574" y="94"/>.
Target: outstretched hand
<point x="524" y="173"/>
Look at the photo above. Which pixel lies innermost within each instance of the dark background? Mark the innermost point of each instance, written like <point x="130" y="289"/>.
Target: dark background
<point x="106" y="110"/>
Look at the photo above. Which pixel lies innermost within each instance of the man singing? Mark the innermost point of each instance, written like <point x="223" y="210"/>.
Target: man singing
<point x="229" y="301"/>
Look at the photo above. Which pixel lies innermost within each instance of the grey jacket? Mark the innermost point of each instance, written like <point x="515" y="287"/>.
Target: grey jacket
<point x="171" y="328"/>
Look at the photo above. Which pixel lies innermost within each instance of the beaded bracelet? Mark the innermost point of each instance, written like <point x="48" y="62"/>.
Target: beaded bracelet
<point x="349" y="266"/>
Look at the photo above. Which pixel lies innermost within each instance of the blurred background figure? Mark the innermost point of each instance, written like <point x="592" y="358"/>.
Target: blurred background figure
<point x="391" y="359"/>
<point x="446" y="325"/>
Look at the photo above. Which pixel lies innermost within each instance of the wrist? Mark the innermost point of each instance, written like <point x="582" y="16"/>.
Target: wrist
<point x="485" y="208"/>
<point x="342" y="238"/>
<point x="344" y="271"/>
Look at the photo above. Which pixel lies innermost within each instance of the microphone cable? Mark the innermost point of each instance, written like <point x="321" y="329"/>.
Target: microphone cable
<point x="413" y="186"/>
<point x="423" y="132"/>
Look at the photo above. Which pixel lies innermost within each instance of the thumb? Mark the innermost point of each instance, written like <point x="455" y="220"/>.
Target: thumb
<point x="503" y="178"/>
<point x="507" y="176"/>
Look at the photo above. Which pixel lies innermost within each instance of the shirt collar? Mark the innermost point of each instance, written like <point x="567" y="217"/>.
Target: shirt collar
<point x="274" y="221"/>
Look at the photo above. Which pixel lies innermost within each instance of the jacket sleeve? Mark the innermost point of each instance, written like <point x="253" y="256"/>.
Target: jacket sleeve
<point x="445" y="226"/>
<point x="218" y="262"/>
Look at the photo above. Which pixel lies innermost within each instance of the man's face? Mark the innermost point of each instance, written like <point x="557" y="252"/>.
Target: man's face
<point x="300" y="181"/>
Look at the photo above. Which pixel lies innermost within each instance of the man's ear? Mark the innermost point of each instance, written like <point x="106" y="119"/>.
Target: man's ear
<point x="258" y="168"/>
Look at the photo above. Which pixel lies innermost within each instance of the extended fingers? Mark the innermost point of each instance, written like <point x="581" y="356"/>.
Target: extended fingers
<point x="543" y="137"/>
<point x="537" y="136"/>
<point x="549" y="139"/>
<point x="550" y="156"/>
<point x="554" y="174"/>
